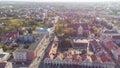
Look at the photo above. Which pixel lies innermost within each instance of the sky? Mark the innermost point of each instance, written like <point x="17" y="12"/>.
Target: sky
<point x="62" y="0"/>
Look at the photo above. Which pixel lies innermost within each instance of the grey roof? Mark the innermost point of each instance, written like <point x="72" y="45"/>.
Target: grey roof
<point x="37" y="41"/>
<point x="32" y="46"/>
<point x="2" y="55"/>
<point x="111" y="32"/>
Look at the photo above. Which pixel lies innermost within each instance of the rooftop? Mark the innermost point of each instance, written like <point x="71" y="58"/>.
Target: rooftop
<point x="80" y="41"/>
<point x="116" y="36"/>
<point x="110" y="32"/>
<point x="76" y="56"/>
<point x="41" y="30"/>
<point x="77" y="25"/>
<point x="4" y="56"/>
<point x="9" y="34"/>
<point x="32" y="46"/>
<point x="110" y="44"/>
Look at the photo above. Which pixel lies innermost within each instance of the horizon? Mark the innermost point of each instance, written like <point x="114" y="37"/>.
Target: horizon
<point x="62" y="1"/>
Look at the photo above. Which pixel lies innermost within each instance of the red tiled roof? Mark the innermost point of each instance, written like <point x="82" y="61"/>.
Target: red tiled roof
<point x="116" y="37"/>
<point x="65" y="55"/>
<point x="105" y="58"/>
<point x="96" y="46"/>
<point x="76" y="57"/>
<point x="83" y="57"/>
<point x="111" y="45"/>
<point x="118" y="51"/>
<point x="80" y="44"/>
<point x="93" y="42"/>
<point x="10" y="34"/>
<point x="47" y="53"/>
<point x="77" y="25"/>
<point x="94" y="57"/>
<point x="55" y="55"/>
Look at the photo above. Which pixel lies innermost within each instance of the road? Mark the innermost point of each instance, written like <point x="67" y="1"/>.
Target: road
<point x="38" y="60"/>
<point x="41" y="64"/>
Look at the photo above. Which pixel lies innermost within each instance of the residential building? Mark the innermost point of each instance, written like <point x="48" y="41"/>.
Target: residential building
<point x="74" y="58"/>
<point x="5" y="64"/>
<point x="28" y="54"/>
<point x="112" y="47"/>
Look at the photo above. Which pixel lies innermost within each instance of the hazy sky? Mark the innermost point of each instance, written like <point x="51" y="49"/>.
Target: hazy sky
<point x="62" y="0"/>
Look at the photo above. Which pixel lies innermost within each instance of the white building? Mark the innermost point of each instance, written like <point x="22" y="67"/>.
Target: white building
<point x="80" y="30"/>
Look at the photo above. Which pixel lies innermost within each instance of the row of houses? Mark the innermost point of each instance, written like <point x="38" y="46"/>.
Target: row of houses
<point x="73" y="57"/>
<point x="26" y="53"/>
<point x="4" y="56"/>
<point x="112" y="47"/>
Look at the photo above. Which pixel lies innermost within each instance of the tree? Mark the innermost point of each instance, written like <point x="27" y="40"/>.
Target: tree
<point x="1" y="31"/>
<point x="95" y="29"/>
<point x="26" y="46"/>
<point x="3" y="46"/>
<point x="65" y="44"/>
<point x="84" y="51"/>
<point x="15" y="45"/>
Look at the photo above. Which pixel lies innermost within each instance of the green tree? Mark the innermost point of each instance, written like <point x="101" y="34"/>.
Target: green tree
<point x="84" y="51"/>
<point x="3" y="46"/>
